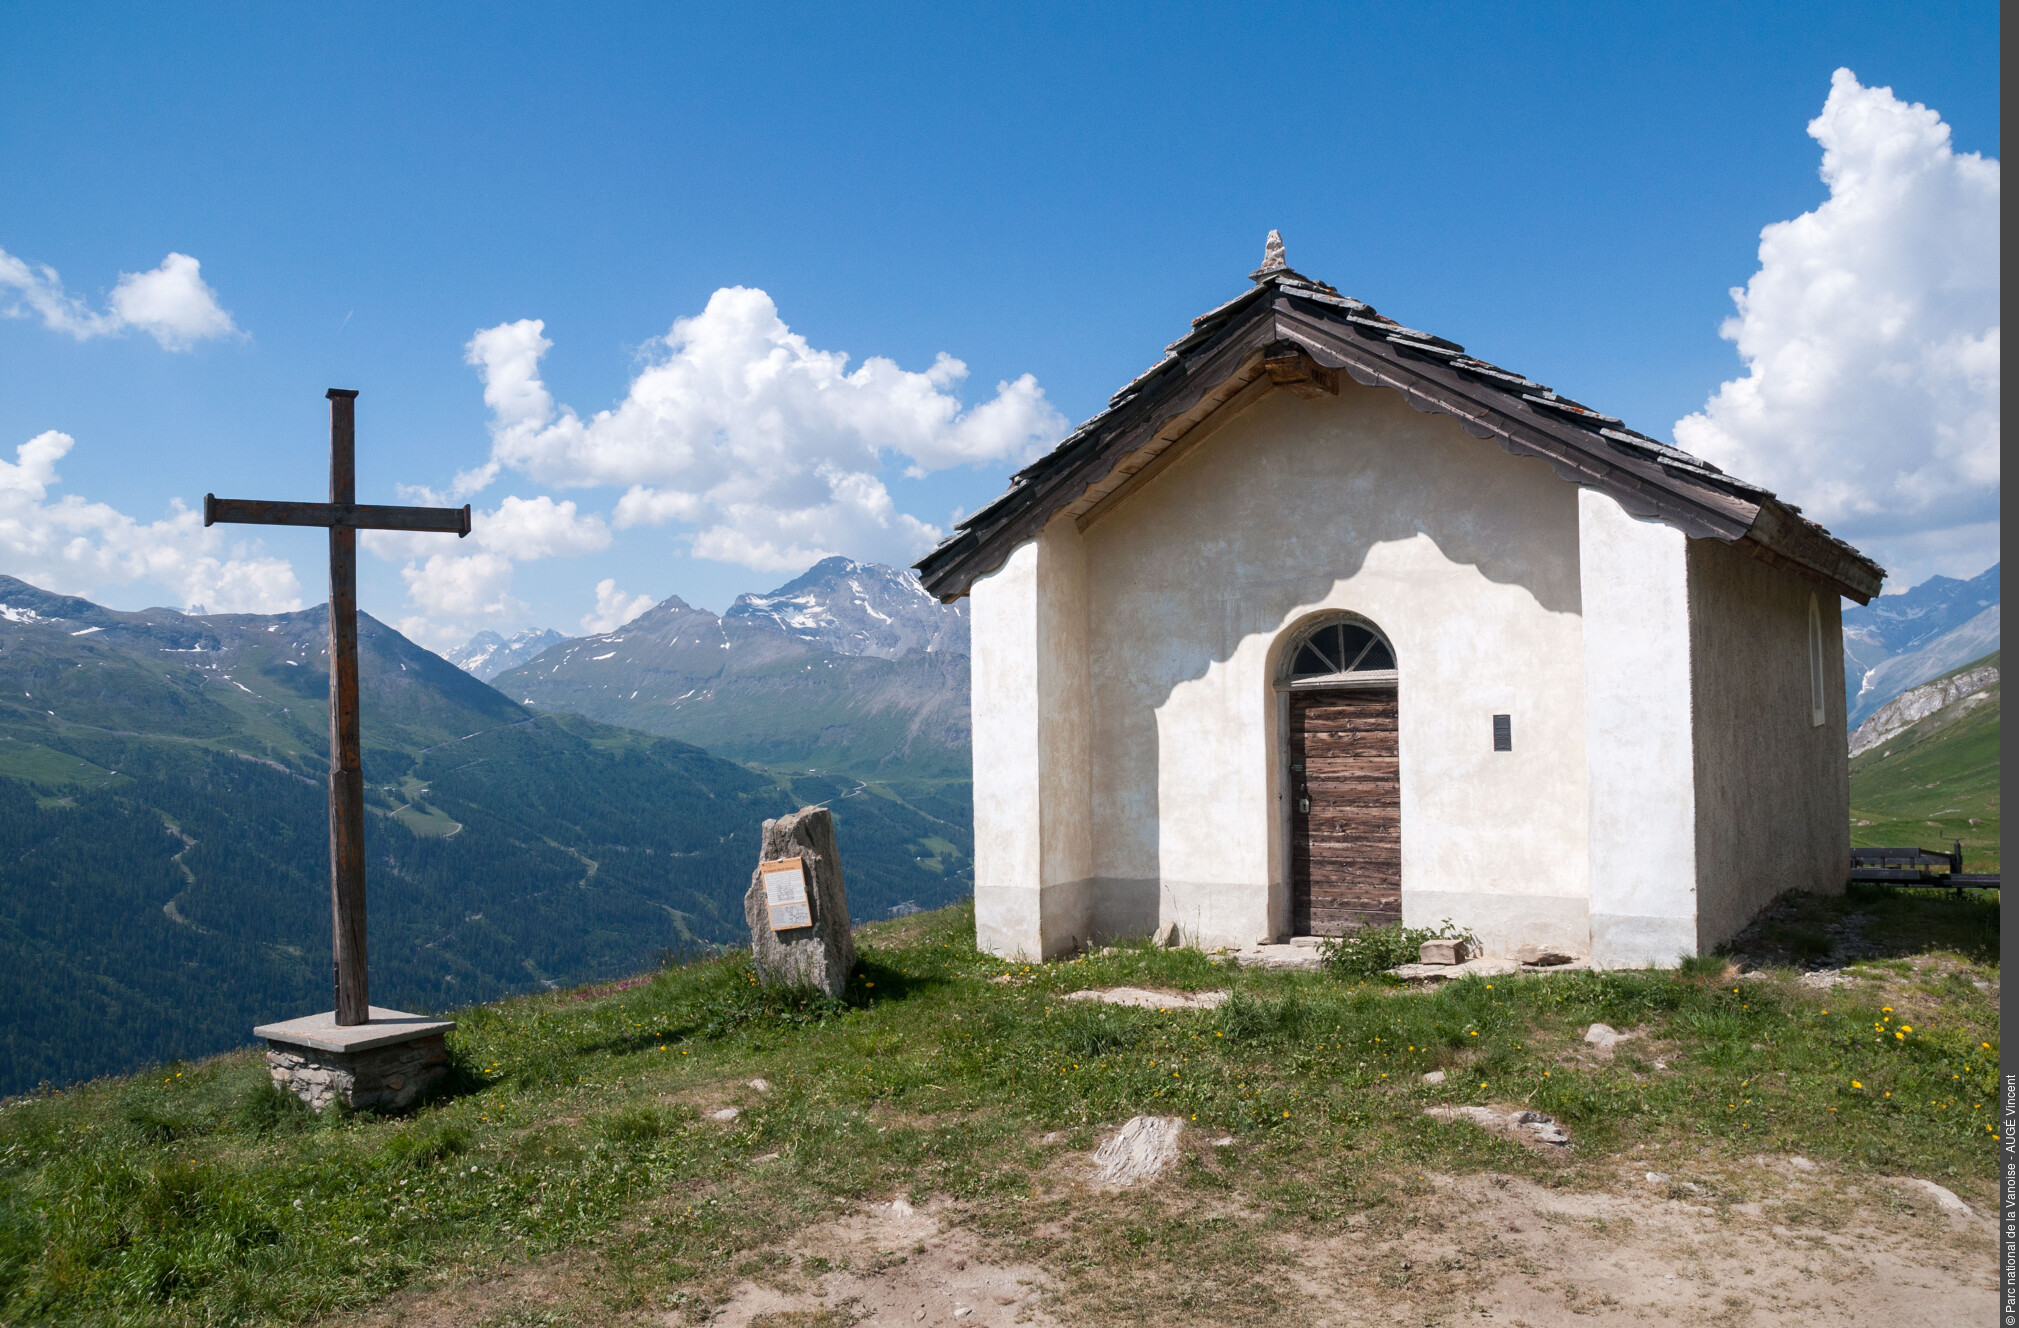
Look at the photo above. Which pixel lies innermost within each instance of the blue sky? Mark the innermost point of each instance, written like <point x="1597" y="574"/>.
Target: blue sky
<point x="1571" y="191"/>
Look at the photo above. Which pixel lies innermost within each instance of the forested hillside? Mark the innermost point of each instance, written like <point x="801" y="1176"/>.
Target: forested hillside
<point x="163" y="842"/>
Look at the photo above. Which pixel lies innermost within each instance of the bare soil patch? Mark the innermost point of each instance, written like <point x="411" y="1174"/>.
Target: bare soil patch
<point x="1776" y="1244"/>
<point x="891" y="1264"/>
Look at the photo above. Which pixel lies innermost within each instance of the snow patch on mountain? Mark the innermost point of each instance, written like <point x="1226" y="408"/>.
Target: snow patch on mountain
<point x="1901" y="641"/>
<point x="1917" y="703"/>
<point x="488" y="654"/>
<point x="856" y="608"/>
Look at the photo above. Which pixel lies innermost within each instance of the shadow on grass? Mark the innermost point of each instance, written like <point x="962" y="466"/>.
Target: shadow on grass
<point x="876" y="983"/>
<point x="1869" y="921"/>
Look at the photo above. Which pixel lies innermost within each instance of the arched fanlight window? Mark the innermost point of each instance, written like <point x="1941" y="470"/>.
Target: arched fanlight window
<point x="1345" y="651"/>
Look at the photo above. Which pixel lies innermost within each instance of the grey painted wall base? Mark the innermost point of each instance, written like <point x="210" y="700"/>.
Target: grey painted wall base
<point x="1505" y="922"/>
<point x="1620" y="940"/>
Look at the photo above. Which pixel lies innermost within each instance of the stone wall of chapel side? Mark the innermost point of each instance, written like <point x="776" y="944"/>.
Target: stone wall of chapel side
<point x="1465" y="556"/>
<point x="1643" y="845"/>
<point x="1771" y="785"/>
<point x="1031" y="825"/>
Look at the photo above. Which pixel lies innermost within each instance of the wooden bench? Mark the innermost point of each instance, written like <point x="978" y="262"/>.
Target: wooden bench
<point x="1918" y="866"/>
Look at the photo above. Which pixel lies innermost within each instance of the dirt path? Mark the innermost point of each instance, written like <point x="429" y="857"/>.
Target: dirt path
<point x="1806" y="1249"/>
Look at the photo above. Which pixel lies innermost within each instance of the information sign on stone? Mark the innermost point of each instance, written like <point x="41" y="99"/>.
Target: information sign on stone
<point x="785" y="894"/>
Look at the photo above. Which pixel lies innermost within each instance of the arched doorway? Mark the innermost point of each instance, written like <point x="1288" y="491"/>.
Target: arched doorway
<point x="1344" y="779"/>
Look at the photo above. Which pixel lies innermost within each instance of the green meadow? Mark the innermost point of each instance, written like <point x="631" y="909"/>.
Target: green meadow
<point x="577" y="1123"/>
<point x="1935" y="783"/>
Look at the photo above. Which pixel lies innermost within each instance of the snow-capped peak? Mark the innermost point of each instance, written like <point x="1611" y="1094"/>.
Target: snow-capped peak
<point x="856" y="608"/>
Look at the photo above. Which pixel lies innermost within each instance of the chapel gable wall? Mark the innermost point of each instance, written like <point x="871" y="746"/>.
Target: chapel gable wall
<point x="1465" y="556"/>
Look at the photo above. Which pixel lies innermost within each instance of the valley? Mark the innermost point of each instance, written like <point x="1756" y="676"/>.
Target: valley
<point x="162" y="826"/>
<point x="1937" y="781"/>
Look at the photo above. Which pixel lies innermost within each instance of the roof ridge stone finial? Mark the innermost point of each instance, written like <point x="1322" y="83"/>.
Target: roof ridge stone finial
<point x="1276" y="266"/>
<point x="1273" y="259"/>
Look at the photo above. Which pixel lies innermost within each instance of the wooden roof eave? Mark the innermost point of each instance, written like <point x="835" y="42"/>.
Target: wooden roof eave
<point x="1781" y="537"/>
<point x="1763" y="527"/>
<point x="1642" y="488"/>
<point x="1177" y="402"/>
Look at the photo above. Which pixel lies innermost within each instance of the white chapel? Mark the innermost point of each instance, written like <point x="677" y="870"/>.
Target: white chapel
<point x="1325" y="623"/>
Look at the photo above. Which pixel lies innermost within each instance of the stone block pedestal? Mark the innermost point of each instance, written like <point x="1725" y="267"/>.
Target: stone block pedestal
<point x="383" y="1065"/>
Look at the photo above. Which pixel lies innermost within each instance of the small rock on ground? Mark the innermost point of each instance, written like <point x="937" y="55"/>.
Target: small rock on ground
<point x="1944" y="1198"/>
<point x="726" y="1114"/>
<point x="1296" y="958"/>
<point x="1604" y="1035"/>
<point x="1153" y="1000"/>
<point x="761" y="1085"/>
<point x="1139" y="1151"/>
<point x="1543" y="956"/>
<point x="1486" y="966"/>
<point x="1531" y="1123"/>
<point x="1825" y="978"/>
<point x="1434" y="1077"/>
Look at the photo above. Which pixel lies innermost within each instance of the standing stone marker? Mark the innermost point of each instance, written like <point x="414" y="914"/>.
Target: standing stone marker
<point x="797" y="906"/>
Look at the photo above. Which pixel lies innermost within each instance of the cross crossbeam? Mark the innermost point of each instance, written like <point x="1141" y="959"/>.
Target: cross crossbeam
<point x="354" y="516"/>
<point x="344" y="516"/>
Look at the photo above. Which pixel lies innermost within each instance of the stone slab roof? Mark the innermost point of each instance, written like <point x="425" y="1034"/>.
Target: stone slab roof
<point x="1292" y="333"/>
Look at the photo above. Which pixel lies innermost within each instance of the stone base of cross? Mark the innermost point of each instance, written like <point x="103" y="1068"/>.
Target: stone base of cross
<point x="359" y="1053"/>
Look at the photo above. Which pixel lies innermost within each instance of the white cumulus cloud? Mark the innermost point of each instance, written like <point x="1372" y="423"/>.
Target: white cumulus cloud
<point x="613" y="608"/>
<point x="461" y="585"/>
<point x="77" y="547"/>
<point x="1870" y="336"/>
<point x="771" y="448"/>
<point x="172" y="303"/>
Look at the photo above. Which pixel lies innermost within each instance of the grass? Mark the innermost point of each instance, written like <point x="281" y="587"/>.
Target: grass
<point x="1937" y="782"/>
<point x="198" y="1194"/>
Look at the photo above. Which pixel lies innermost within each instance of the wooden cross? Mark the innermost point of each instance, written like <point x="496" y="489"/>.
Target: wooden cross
<point x="344" y="518"/>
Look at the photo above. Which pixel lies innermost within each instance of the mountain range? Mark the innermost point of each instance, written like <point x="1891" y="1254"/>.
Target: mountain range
<point x="488" y="654"/>
<point x="851" y="669"/>
<point x="1900" y="641"/>
<point x="856" y="608"/>
<point x="163" y="841"/>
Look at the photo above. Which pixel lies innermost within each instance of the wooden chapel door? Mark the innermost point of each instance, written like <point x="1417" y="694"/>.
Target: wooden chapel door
<point x="1345" y="812"/>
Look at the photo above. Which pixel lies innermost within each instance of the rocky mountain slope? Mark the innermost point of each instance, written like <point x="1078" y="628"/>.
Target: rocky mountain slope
<point x="163" y="841"/>
<point x="854" y="608"/>
<point x="487" y="654"/>
<point x="1968" y="684"/>
<point x="1900" y="641"/>
<point x="803" y="678"/>
<point x="1936" y="779"/>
